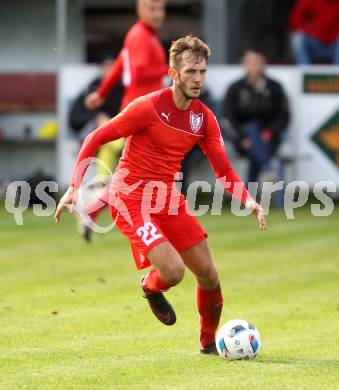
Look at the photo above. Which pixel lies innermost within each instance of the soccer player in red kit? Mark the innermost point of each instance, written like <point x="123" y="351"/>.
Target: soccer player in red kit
<point x="142" y="61"/>
<point x="141" y="64"/>
<point x="160" y="128"/>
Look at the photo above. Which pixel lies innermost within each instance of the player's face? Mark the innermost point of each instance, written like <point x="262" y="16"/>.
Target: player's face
<point x="254" y="64"/>
<point x="191" y="76"/>
<point x="152" y="12"/>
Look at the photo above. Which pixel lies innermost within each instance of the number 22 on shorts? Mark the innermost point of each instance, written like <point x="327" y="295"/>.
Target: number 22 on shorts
<point x="148" y="233"/>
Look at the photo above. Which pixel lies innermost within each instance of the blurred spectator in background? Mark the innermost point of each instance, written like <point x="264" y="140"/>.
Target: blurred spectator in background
<point x="81" y="119"/>
<point x="316" y="31"/>
<point x="261" y="24"/>
<point x="255" y="114"/>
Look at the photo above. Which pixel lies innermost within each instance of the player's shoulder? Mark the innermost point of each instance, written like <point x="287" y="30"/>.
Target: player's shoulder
<point x="158" y="96"/>
<point x="209" y="118"/>
<point x="198" y="105"/>
<point x="151" y="97"/>
<point x="136" y="32"/>
<point x="202" y="106"/>
<point x="143" y="103"/>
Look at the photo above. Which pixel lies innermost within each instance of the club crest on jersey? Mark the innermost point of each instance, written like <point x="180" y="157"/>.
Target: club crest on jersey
<point x="196" y="121"/>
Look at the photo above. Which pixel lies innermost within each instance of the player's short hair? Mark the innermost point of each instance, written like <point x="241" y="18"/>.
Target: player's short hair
<point x="196" y="46"/>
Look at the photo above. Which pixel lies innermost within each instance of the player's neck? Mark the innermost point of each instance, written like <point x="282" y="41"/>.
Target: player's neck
<point x="180" y="100"/>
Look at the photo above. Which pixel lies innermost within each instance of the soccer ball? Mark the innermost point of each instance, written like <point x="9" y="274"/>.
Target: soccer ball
<point x="238" y="339"/>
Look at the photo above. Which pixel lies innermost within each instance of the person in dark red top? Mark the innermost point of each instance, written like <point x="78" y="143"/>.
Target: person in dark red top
<point x="160" y="128"/>
<point x="316" y="31"/>
<point x="141" y="65"/>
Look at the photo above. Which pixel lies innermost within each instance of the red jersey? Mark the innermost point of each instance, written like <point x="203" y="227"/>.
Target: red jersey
<point x="158" y="136"/>
<point x="318" y="18"/>
<point x="141" y="64"/>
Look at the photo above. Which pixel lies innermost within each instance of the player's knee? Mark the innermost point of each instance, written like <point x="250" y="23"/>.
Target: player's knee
<point x="175" y="273"/>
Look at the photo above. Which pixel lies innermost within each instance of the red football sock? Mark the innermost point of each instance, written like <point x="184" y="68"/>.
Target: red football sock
<point x="155" y="283"/>
<point x="209" y="304"/>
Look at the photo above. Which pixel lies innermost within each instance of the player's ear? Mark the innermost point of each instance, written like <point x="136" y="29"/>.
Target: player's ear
<point x="172" y="73"/>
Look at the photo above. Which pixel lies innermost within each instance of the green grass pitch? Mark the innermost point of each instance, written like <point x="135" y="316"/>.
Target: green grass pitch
<point x="72" y="315"/>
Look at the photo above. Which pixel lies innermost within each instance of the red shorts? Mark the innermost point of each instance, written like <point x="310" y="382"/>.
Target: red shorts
<point x="182" y="230"/>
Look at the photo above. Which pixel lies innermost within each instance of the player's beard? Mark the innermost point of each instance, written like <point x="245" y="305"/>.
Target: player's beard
<point x="183" y="89"/>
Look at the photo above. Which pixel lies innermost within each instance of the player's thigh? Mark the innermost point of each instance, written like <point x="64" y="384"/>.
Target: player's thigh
<point x="143" y="235"/>
<point x="189" y="238"/>
<point x="182" y="229"/>
<point x="148" y="241"/>
<point x="200" y="261"/>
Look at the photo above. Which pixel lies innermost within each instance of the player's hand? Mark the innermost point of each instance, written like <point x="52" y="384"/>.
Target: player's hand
<point x="258" y="211"/>
<point x="68" y="200"/>
<point x="93" y="101"/>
